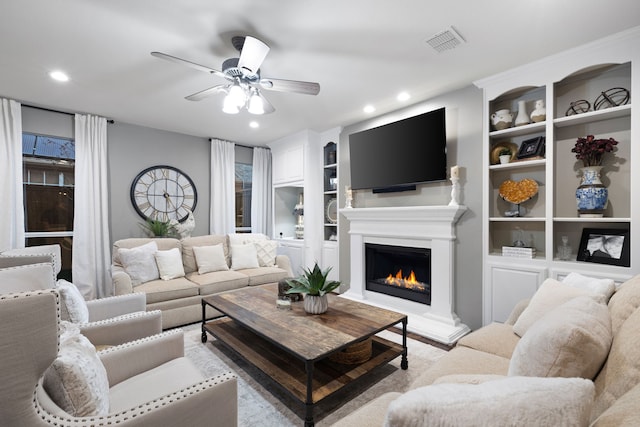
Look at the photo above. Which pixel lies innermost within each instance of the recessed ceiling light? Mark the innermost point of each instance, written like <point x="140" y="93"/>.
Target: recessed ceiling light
<point x="369" y="109"/>
<point x="403" y="96"/>
<point x="254" y="125"/>
<point x="59" y="76"/>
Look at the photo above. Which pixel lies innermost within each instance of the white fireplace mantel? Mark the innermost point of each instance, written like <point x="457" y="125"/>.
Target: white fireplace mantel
<point x="430" y="227"/>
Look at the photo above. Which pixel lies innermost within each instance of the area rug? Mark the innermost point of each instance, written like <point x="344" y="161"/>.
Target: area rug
<point x="261" y="402"/>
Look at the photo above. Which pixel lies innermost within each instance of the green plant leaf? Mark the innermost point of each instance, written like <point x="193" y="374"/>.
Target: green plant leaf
<point x="313" y="282"/>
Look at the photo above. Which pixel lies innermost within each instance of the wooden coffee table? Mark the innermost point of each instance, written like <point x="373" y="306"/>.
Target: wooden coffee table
<point x="292" y="347"/>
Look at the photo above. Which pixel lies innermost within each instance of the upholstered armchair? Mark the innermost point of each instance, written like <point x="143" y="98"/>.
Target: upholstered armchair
<point x="105" y="321"/>
<point x="147" y="382"/>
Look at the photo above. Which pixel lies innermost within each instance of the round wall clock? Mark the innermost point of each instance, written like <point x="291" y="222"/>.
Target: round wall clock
<point x="163" y="193"/>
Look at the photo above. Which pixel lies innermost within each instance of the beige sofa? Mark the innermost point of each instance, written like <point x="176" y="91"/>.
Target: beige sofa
<point x="486" y="356"/>
<point x="179" y="299"/>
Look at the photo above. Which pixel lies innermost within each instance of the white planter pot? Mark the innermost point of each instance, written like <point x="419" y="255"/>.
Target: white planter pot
<point x="314" y="304"/>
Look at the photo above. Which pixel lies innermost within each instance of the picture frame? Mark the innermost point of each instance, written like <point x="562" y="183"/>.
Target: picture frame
<point x="605" y="246"/>
<point x="533" y="147"/>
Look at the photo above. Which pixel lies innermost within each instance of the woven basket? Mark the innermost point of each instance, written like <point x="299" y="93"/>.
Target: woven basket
<point x="357" y="353"/>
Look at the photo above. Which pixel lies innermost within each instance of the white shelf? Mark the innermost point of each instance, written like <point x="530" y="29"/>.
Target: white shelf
<point x="519" y="130"/>
<point x="593" y="116"/>
<point x="519" y="164"/>
<point x="578" y="219"/>
<point x="516" y="219"/>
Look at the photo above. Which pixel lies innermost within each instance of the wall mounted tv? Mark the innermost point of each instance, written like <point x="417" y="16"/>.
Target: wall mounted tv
<point x="399" y="155"/>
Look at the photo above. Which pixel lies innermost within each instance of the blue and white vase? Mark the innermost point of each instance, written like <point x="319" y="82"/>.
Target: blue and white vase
<point x="591" y="195"/>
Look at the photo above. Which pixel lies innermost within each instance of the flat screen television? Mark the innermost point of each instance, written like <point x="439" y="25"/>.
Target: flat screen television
<point x="399" y="155"/>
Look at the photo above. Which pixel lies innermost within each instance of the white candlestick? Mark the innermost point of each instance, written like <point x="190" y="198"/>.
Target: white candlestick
<point x="455" y="171"/>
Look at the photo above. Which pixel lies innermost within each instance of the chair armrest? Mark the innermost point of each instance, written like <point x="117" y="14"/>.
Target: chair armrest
<point x="130" y="359"/>
<point x="121" y="281"/>
<point x="517" y="311"/>
<point x="122" y="329"/>
<point x="105" y="308"/>
<point x="284" y="263"/>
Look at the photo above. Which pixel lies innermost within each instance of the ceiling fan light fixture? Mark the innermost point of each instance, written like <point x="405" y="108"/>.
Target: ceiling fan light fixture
<point x="256" y="104"/>
<point x="228" y="106"/>
<point x="237" y="96"/>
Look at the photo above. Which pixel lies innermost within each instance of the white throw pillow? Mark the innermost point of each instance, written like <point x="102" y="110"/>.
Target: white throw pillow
<point x="513" y="401"/>
<point x="604" y="287"/>
<point x="169" y="264"/>
<point x="77" y="380"/>
<point x="244" y="256"/>
<point x="266" y="250"/>
<point x="550" y="295"/>
<point x="572" y="340"/>
<point x="74" y="301"/>
<point x="139" y="263"/>
<point x="210" y="258"/>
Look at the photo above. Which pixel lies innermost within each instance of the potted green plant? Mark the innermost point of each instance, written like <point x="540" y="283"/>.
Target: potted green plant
<point x="505" y="155"/>
<point x="314" y="285"/>
<point x="155" y="228"/>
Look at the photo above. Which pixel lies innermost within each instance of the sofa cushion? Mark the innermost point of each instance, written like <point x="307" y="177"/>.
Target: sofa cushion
<point x="623" y="412"/>
<point x="463" y="360"/>
<point x="267" y="251"/>
<point x="264" y="275"/>
<point x="621" y="372"/>
<point x="139" y="263"/>
<point x="244" y="256"/>
<point x="550" y="295"/>
<point x="605" y="287"/>
<point x="77" y="380"/>
<point x="219" y="281"/>
<point x="572" y="340"/>
<point x="164" y="290"/>
<point x="188" y="256"/>
<point x="243" y="238"/>
<point x="169" y="264"/>
<point x="495" y="338"/>
<point x="624" y="302"/>
<point x="74" y="303"/>
<point x="163" y="243"/>
<point x="514" y="401"/>
<point x="210" y="258"/>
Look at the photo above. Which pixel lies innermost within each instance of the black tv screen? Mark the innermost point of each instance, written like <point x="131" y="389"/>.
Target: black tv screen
<point x="398" y="155"/>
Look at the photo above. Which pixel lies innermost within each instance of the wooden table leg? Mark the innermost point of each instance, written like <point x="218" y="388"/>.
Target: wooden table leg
<point x="404" y="364"/>
<point x="308" y="421"/>
<point x="203" y="337"/>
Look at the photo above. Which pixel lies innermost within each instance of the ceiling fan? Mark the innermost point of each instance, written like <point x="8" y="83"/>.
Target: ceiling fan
<point x="243" y="79"/>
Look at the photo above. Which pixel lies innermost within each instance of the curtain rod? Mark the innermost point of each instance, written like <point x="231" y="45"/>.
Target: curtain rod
<point x="240" y="145"/>
<point x="111" y="121"/>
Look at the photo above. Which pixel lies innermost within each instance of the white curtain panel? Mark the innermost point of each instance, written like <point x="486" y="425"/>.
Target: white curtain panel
<point x="261" y="191"/>
<point x="223" y="178"/>
<point x="12" y="214"/>
<point x="91" y="259"/>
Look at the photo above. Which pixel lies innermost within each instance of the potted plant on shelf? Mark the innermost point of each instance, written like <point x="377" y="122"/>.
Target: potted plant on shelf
<point x="314" y="285"/>
<point x="505" y="155"/>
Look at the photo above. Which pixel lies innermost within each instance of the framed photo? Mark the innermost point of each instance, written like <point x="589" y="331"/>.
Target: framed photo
<point x="605" y="246"/>
<point x="533" y="147"/>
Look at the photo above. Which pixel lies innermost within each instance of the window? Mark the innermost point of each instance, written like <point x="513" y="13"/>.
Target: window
<point x="48" y="182"/>
<point x="243" y="197"/>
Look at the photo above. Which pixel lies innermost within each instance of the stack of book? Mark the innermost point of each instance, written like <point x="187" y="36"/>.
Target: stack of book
<point x="518" y="252"/>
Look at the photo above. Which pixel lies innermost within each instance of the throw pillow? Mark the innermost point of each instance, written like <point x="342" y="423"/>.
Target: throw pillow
<point x="572" y="340"/>
<point x="74" y="301"/>
<point x="513" y="401"/>
<point x="244" y="256"/>
<point x="550" y="295"/>
<point x="210" y="258"/>
<point x="77" y="380"/>
<point x="266" y="250"/>
<point x="139" y="263"/>
<point x="169" y="264"/>
<point x="604" y="287"/>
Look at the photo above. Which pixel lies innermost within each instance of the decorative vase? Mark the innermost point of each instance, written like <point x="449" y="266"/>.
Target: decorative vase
<point x="316" y="304"/>
<point x="591" y="195"/>
<point x="522" y="118"/>
<point x="505" y="158"/>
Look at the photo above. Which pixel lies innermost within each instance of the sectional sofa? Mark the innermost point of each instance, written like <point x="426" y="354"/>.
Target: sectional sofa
<point x="188" y="269"/>
<point x="566" y="357"/>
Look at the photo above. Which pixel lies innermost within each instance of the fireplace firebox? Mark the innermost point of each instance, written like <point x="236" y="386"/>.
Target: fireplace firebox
<point x="398" y="271"/>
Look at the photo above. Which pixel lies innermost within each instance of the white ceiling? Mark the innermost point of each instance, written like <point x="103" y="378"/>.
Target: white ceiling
<point x="360" y="51"/>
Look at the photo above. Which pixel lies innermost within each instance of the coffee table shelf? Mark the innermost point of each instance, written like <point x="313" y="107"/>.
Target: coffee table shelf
<point x="289" y="371"/>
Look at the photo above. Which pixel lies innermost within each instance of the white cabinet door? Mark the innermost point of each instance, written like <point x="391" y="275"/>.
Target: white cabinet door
<point x="330" y="259"/>
<point x="510" y="285"/>
<point x="294" y="249"/>
<point x="288" y="164"/>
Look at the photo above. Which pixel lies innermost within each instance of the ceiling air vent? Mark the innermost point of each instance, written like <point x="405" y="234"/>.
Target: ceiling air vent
<point x="445" y="40"/>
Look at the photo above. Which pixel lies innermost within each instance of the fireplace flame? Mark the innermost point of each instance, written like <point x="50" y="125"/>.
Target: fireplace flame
<point x="409" y="282"/>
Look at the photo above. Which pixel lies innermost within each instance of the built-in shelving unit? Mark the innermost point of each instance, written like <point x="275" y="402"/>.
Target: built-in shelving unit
<point x="580" y="74"/>
<point x="330" y="154"/>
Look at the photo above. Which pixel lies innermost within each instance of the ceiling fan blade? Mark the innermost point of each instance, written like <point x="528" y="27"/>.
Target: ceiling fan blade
<point x="307" y="88"/>
<point x="252" y="54"/>
<point x="188" y="63"/>
<point x="198" y="96"/>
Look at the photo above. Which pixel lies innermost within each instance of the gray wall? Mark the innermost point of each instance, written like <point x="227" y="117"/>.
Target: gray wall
<point x="464" y="145"/>
<point x="133" y="148"/>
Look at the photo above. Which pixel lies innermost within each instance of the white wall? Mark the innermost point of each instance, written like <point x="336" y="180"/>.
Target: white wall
<point x="464" y="145"/>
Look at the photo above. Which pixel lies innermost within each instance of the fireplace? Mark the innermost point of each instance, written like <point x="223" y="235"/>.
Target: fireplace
<point x="399" y="271"/>
<point x="418" y="232"/>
